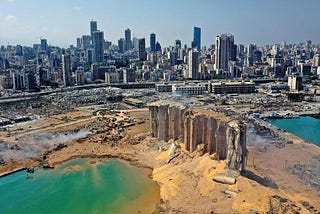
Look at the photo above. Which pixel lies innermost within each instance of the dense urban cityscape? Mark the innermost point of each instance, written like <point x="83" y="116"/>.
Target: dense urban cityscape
<point x="288" y="67"/>
<point x="202" y="123"/>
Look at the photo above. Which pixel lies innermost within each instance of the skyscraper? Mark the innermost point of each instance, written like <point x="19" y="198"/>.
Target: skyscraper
<point x="196" y="43"/>
<point x="225" y="51"/>
<point x="86" y="41"/>
<point x="193" y="64"/>
<point x="135" y="43"/>
<point x="153" y="42"/>
<point x="90" y="56"/>
<point x="79" y="42"/>
<point x="66" y="70"/>
<point x="98" y="42"/>
<point x="142" y="49"/>
<point x="127" y="39"/>
<point x="121" y="45"/>
<point x="44" y="45"/>
<point x="93" y="27"/>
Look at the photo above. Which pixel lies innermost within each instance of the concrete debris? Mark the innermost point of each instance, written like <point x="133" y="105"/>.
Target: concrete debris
<point x="280" y="204"/>
<point x="15" y="147"/>
<point x="224" y="179"/>
<point x="310" y="207"/>
<point x="230" y="193"/>
<point x="310" y="174"/>
<point x="172" y="149"/>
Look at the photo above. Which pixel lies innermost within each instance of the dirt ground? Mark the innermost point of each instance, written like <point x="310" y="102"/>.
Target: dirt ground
<point x="185" y="180"/>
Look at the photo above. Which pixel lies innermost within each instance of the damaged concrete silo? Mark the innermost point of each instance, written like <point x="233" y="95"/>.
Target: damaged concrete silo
<point x="218" y="133"/>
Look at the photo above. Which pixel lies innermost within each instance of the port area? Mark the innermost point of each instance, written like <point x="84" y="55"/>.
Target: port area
<point x="281" y="170"/>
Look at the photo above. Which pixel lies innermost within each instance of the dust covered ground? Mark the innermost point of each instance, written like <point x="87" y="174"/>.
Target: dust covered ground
<point x="275" y="181"/>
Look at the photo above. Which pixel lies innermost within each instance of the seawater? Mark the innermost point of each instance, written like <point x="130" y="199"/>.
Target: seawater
<point x="305" y="127"/>
<point x="80" y="186"/>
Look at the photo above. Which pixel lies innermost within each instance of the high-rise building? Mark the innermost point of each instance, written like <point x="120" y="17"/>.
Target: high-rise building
<point x="193" y="64"/>
<point x="127" y="39"/>
<point x="31" y="77"/>
<point x="153" y="42"/>
<point x="305" y="69"/>
<point x="2" y="64"/>
<point x="43" y="45"/>
<point x="225" y="51"/>
<point x="79" y="42"/>
<point x="93" y="27"/>
<point x="295" y="82"/>
<point x="172" y="57"/>
<point x="158" y="47"/>
<point x="250" y="49"/>
<point x="19" y="50"/>
<point x="309" y="44"/>
<point x="18" y="80"/>
<point x="142" y="50"/>
<point x="196" y="43"/>
<point x="240" y="50"/>
<point x="121" y="45"/>
<point x="283" y="44"/>
<point x="90" y="56"/>
<point x="66" y="70"/>
<point x="129" y="75"/>
<point x="86" y="39"/>
<point x="316" y="60"/>
<point x="135" y="43"/>
<point x="178" y="43"/>
<point x="98" y="41"/>
<point x="107" y="44"/>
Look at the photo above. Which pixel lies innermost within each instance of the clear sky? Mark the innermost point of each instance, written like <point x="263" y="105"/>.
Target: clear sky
<point x="250" y="21"/>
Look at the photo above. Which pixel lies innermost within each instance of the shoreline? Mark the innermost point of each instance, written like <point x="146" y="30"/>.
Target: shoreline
<point x="12" y="172"/>
<point x="185" y="182"/>
<point x="287" y="134"/>
<point x="150" y="194"/>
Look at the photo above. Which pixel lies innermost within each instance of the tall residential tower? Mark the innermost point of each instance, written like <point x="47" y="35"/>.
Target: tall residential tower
<point x="225" y="51"/>
<point x="98" y="42"/>
<point x="153" y="42"/>
<point x="196" y="43"/>
<point x="93" y="27"/>
<point x="193" y="63"/>
<point x="142" y="50"/>
<point x="127" y="38"/>
<point x="66" y="70"/>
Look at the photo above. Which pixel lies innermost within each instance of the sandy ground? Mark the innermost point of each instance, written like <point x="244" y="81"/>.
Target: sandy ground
<point x="185" y="181"/>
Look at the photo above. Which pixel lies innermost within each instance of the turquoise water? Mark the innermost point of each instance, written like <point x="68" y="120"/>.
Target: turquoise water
<point x="78" y="186"/>
<point x="307" y="128"/>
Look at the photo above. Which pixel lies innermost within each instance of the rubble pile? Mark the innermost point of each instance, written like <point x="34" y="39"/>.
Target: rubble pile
<point x="308" y="173"/>
<point x="279" y="204"/>
<point x="111" y="128"/>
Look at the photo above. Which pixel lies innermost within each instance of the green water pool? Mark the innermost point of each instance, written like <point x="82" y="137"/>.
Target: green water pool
<point x="80" y="186"/>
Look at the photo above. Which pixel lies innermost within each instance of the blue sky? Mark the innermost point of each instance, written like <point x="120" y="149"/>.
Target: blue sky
<point x="250" y="21"/>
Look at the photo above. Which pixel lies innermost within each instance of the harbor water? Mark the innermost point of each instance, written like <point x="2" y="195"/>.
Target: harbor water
<point x="304" y="127"/>
<point x="80" y="186"/>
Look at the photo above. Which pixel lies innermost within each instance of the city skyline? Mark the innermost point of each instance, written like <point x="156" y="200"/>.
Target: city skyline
<point x="61" y="22"/>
